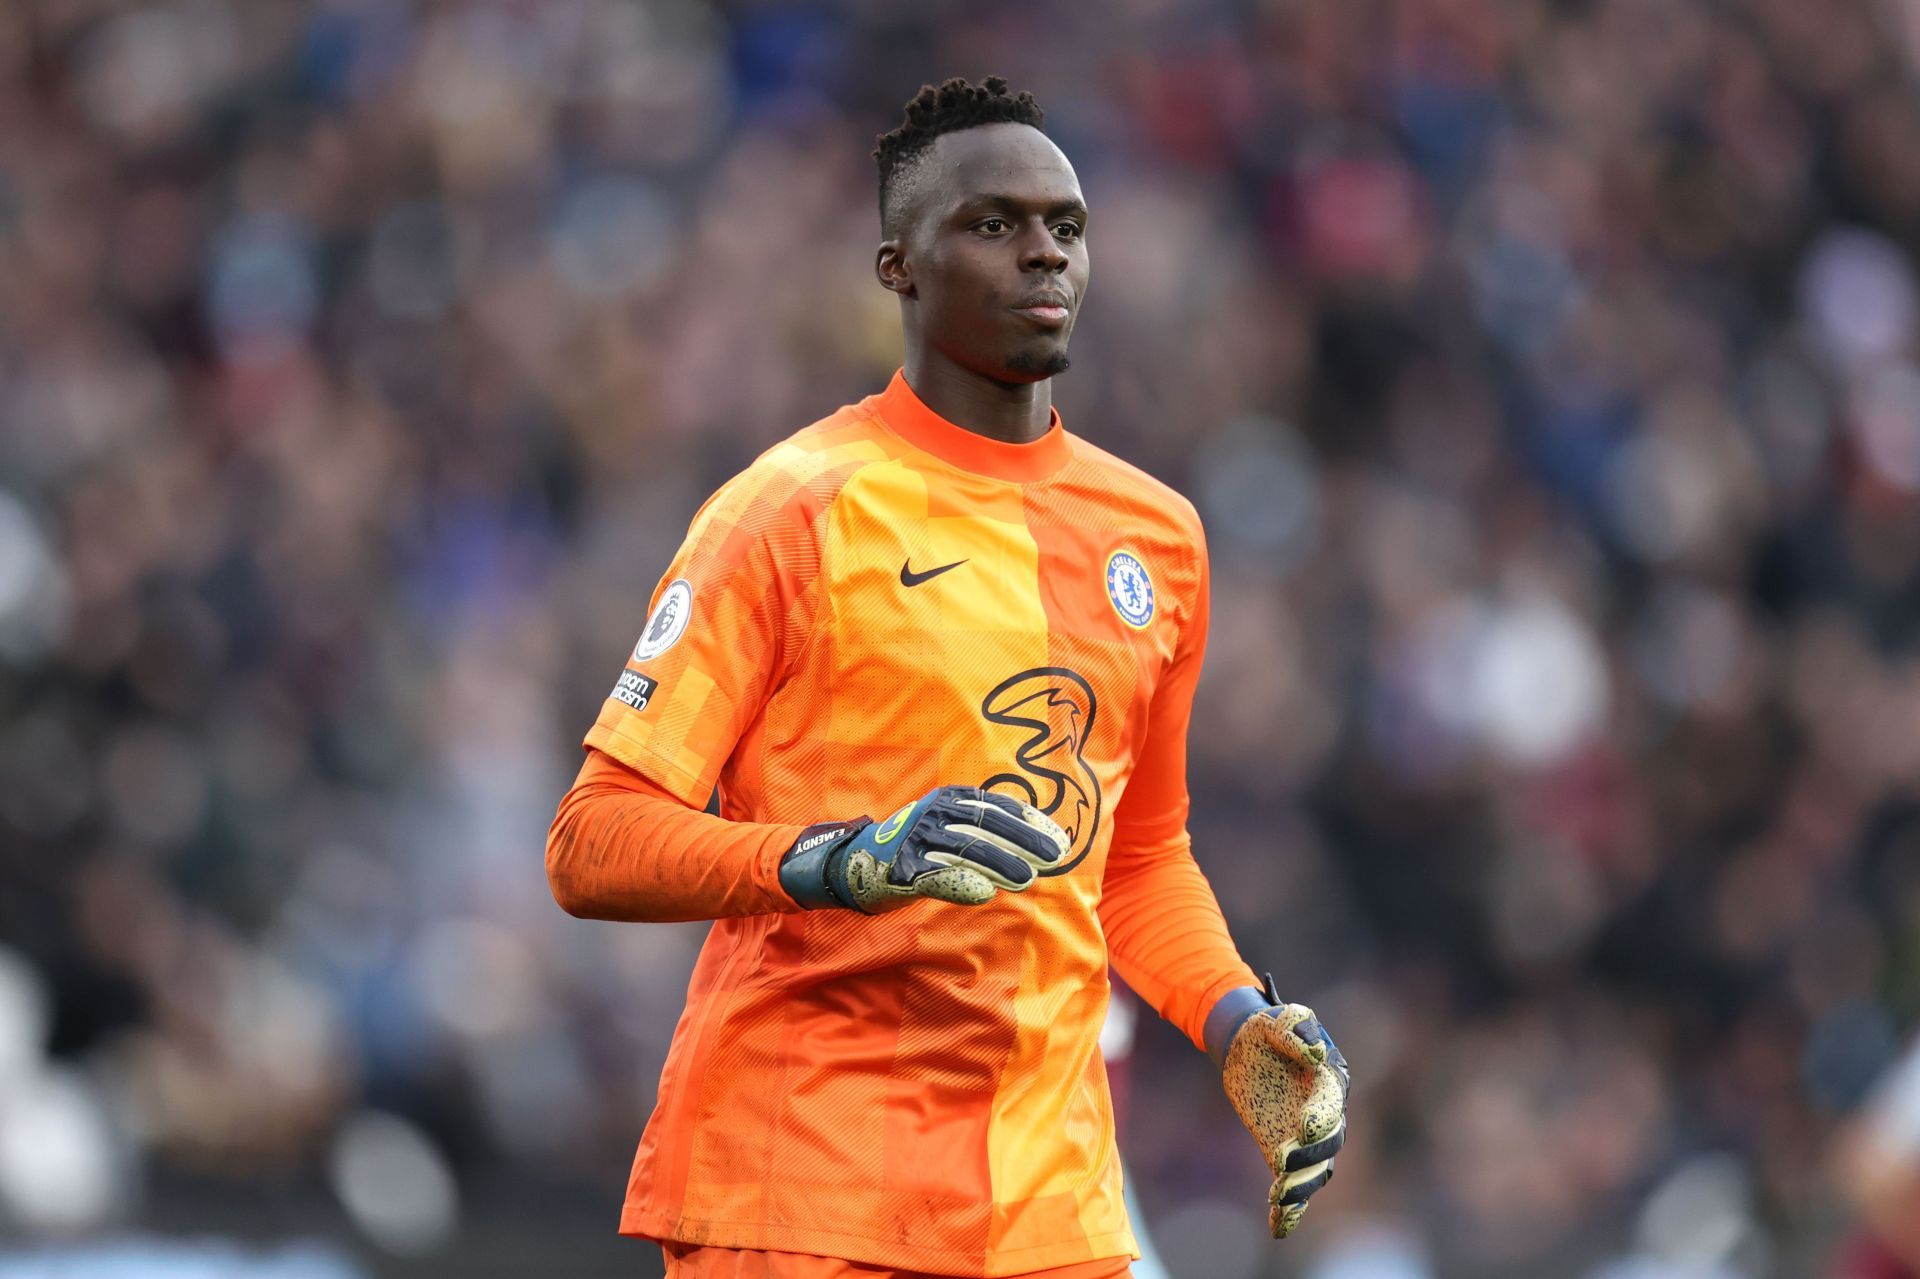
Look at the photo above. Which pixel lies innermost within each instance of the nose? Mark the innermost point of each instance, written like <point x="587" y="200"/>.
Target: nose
<point x="1041" y="252"/>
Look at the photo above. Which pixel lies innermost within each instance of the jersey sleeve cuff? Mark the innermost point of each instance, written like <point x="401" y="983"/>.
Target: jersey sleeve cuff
<point x="1195" y="1024"/>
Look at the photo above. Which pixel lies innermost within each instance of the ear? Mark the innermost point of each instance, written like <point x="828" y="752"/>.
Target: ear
<point x="891" y="268"/>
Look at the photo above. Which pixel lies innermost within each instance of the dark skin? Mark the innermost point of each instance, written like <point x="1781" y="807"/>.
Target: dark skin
<point x="995" y="235"/>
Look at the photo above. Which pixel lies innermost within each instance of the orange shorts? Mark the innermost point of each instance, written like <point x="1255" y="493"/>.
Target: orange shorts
<point x="689" y="1261"/>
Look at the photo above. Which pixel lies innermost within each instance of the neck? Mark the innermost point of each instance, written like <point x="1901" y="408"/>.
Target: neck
<point x="1013" y="412"/>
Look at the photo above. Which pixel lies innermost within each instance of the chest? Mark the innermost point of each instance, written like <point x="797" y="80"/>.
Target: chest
<point x="965" y="563"/>
<point x="1017" y="634"/>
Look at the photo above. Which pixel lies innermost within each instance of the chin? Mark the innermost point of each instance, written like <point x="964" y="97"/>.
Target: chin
<point x="1031" y="366"/>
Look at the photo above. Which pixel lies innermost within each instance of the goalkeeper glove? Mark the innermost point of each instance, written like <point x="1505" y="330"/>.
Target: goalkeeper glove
<point x="1288" y="1083"/>
<point x="959" y="844"/>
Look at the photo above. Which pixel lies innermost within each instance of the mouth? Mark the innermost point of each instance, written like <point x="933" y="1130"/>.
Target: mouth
<point x="1049" y="310"/>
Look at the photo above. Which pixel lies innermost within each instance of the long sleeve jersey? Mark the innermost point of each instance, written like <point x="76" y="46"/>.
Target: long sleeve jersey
<point x="882" y="604"/>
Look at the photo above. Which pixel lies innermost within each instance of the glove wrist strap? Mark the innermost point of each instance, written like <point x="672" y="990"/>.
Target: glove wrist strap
<point x="806" y="871"/>
<point x="1231" y="1013"/>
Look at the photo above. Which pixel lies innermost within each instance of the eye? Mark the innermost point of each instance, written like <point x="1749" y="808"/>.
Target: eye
<point x="993" y="226"/>
<point x="1067" y="230"/>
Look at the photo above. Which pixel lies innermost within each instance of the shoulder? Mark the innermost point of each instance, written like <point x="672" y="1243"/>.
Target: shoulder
<point x="794" y="481"/>
<point x="1145" y="496"/>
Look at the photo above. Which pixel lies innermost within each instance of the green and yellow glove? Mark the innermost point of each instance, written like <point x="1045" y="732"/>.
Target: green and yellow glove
<point x="1288" y="1083"/>
<point x="957" y="844"/>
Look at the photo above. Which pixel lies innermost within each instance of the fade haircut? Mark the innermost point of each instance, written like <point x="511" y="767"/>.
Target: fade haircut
<point x="953" y="106"/>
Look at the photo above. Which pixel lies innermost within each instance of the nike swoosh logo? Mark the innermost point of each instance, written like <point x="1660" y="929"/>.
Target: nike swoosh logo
<point x="910" y="578"/>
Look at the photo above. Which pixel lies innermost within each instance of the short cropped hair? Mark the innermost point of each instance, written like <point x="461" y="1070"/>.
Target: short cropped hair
<point x="955" y="105"/>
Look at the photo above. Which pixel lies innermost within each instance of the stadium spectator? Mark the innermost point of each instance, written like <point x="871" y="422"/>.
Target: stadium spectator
<point x="1548" y="376"/>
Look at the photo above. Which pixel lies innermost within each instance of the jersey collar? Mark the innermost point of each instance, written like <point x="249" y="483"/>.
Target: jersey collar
<point x="910" y="418"/>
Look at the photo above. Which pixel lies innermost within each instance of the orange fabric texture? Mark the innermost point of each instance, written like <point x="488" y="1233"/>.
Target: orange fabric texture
<point x="882" y="604"/>
<point x="687" y="1262"/>
<point x="621" y="847"/>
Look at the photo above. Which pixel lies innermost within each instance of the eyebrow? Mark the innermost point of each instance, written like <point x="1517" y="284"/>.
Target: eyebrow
<point x="1001" y="200"/>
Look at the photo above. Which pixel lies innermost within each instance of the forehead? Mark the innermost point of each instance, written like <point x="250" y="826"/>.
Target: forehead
<point x="1014" y="160"/>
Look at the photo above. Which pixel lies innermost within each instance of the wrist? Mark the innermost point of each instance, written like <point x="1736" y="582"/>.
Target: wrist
<point x="1229" y="1014"/>
<point x="807" y="872"/>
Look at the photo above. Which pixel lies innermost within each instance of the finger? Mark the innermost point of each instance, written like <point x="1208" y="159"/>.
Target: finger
<point x="1022" y="812"/>
<point x="957" y="884"/>
<point x="993" y="798"/>
<point x="977" y="845"/>
<point x="1046" y="826"/>
<point x="1282" y="1220"/>
<point x="1298" y="1187"/>
<point x="1008" y="861"/>
<point x="1310" y="1030"/>
<point x="998" y="867"/>
<point x="1325" y="1112"/>
<point x="1307" y="1156"/>
<point x="1023" y="835"/>
<point x="1276" y="1027"/>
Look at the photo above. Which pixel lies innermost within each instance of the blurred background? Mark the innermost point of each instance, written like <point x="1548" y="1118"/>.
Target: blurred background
<point x="1547" y="372"/>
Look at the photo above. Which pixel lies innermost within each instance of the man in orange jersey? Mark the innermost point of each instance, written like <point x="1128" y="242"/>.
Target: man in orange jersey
<point x="938" y="604"/>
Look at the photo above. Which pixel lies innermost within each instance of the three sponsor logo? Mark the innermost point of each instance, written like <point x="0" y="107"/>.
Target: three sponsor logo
<point x="1055" y="707"/>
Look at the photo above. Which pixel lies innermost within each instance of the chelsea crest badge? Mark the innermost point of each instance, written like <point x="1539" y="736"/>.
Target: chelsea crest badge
<point x="1130" y="589"/>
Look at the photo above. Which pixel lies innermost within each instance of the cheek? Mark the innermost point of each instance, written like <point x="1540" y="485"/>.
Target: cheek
<point x="967" y="277"/>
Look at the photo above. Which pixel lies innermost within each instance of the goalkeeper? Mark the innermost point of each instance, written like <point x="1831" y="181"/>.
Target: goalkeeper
<point x="939" y="606"/>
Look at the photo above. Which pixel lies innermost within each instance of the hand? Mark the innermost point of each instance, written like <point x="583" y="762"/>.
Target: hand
<point x="1288" y="1082"/>
<point x="958" y="844"/>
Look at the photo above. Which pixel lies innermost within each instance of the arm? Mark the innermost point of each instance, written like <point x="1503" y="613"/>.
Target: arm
<point x="1167" y="937"/>
<point x="622" y="848"/>
<point x="729" y="620"/>
<point x="1285" y="1078"/>
<point x="1165" y="932"/>
<point x="630" y="841"/>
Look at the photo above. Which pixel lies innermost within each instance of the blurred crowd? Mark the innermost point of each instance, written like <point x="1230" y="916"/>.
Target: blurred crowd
<point x="1547" y="373"/>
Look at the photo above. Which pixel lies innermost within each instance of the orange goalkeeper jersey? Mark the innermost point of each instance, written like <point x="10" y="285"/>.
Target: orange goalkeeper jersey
<point x="882" y="604"/>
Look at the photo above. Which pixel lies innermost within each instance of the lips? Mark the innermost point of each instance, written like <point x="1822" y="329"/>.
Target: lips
<point x="1045" y="308"/>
